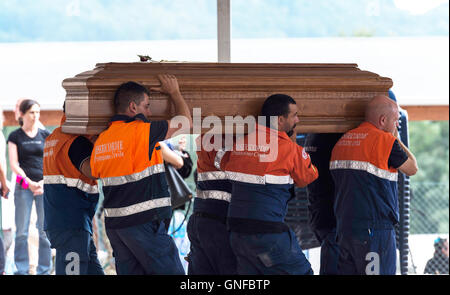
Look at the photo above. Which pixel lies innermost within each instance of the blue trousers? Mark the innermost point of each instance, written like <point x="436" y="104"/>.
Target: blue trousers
<point x="145" y="249"/>
<point x="329" y="251"/>
<point x="210" y="252"/>
<point x="75" y="252"/>
<point x="367" y="251"/>
<point x="23" y="201"/>
<point x="271" y="254"/>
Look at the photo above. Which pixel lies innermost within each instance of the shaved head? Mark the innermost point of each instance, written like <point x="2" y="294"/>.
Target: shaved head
<point x="380" y="111"/>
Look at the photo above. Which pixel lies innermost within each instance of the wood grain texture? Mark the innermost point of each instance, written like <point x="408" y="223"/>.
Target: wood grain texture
<point x="330" y="97"/>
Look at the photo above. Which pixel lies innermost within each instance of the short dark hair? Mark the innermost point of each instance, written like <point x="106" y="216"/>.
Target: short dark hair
<point x="276" y="105"/>
<point x="129" y="92"/>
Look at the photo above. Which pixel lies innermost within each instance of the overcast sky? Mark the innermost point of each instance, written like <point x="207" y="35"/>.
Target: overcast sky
<point x="113" y="20"/>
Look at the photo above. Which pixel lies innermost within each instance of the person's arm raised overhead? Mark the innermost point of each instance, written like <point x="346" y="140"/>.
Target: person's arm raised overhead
<point x="169" y="85"/>
<point x="409" y="167"/>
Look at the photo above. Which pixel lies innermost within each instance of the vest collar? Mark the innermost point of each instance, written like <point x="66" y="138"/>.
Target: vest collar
<point x="280" y="134"/>
<point x="128" y="119"/>
<point x="368" y="125"/>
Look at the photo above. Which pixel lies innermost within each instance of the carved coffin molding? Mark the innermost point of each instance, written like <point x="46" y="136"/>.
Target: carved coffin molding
<point x="330" y="97"/>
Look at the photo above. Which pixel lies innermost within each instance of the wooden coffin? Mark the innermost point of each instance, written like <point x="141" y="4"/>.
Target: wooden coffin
<point x="330" y="97"/>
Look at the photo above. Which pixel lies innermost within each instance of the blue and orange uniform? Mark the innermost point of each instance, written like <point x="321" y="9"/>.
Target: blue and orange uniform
<point x="263" y="166"/>
<point x="210" y="252"/>
<point x="70" y="201"/>
<point x="127" y="158"/>
<point x="364" y="166"/>
<point x="321" y="199"/>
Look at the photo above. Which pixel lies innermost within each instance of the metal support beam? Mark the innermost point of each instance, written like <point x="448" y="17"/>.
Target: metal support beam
<point x="223" y="31"/>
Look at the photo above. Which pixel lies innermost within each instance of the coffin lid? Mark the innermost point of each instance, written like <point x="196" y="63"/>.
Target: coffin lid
<point x="330" y="97"/>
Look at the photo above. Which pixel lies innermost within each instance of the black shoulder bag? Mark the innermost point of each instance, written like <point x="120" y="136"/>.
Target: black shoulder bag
<point x="180" y="193"/>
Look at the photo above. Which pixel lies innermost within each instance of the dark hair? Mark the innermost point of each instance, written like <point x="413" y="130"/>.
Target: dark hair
<point x="276" y="105"/>
<point x="128" y="92"/>
<point x="25" y="106"/>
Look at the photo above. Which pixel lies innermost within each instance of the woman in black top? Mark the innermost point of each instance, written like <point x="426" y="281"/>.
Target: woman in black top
<point x="26" y="146"/>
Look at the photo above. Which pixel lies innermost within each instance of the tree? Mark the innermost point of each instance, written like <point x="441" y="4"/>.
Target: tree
<point x="429" y="142"/>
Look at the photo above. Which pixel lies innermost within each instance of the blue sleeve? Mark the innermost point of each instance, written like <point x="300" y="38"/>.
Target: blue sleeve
<point x="398" y="156"/>
<point x="158" y="131"/>
<point x="80" y="150"/>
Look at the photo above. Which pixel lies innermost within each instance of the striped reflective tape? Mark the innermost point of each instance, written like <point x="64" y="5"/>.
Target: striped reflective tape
<point x="364" y="166"/>
<point x="137" y="208"/>
<point x="118" y="180"/>
<point x="212" y="194"/>
<point x="211" y="175"/>
<point x="71" y="182"/>
<point x="257" y="179"/>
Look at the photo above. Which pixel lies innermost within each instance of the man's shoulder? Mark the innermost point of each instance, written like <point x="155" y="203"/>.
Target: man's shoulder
<point x="288" y="143"/>
<point x="289" y="149"/>
<point x="57" y="131"/>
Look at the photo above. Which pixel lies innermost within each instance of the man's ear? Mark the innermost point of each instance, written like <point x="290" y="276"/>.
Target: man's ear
<point x="382" y="120"/>
<point x="132" y="107"/>
<point x="280" y="120"/>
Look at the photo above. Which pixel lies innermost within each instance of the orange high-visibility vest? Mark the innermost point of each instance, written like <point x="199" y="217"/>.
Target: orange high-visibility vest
<point x="263" y="173"/>
<point x="134" y="183"/>
<point x="365" y="187"/>
<point x="70" y="197"/>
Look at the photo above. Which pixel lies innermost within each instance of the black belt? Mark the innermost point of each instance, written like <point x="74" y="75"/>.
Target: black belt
<point x="222" y="219"/>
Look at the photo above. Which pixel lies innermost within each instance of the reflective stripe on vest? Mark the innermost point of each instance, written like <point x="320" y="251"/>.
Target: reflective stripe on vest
<point x="57" y="166"/>
<point x="364" y="166"/>
<point x="71" y="182"/>
<point x="213" y="194"/>
<point x="119" y="180"/>
<point x="212" y="175"/>
<point x="257" y="179"/>
<point x="137" y="208"/>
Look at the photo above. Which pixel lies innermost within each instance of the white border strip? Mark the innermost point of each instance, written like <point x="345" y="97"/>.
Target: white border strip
<point x="118" y="180"/>
<point x="211" y="175"/>
<point x="257" y="179"/>
<point x="213" y="194"/>
<point x="137" y="208"/>
<point x="71" y="182"/>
